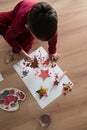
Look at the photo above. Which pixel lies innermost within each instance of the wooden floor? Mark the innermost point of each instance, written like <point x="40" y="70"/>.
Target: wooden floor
<point x="67" y="112"/>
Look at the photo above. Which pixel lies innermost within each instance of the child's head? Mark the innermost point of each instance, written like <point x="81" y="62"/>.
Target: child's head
<point x="42" y="21"/>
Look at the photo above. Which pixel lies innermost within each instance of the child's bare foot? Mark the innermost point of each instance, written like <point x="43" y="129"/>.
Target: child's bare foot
<point x="9" y="57"/>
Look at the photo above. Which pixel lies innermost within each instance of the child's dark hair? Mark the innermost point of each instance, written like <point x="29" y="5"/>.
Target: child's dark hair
<point x="42" y="21"/>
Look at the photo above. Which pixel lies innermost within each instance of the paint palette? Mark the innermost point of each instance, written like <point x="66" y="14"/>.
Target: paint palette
<point x="10" y="98"/>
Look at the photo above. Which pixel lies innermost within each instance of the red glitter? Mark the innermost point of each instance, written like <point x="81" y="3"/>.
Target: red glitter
<point x="34" y="64"/>
<point x="46" y="62"/>
<point x="42" y="92"/>
<point x="44" y="74"/>
<point x="56" y="82"/>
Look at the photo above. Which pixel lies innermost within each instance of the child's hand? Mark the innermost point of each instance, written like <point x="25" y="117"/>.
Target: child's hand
<point x="54" y="57"/>
<point x="27" y="58"/>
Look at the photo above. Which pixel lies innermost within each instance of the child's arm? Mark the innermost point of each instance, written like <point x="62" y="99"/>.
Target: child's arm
<point x="54" y="57"/>
<point x="52" y="48"/>
<point x="52" y="44"/>
<point x="25" y="55"/>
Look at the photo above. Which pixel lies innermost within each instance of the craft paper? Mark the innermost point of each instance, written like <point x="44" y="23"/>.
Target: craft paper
<point x="41" y="74"/>
<point x="1" y="77"/>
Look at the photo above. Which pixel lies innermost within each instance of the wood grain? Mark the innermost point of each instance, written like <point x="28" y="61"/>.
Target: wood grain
<point x="67" y="112"/>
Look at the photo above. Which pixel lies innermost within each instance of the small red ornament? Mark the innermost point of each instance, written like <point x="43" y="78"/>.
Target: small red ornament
<point x="56" y="82"/>
<point x="44" y="74"/>
<point x="42" y="92"/>
<point x="34" y="63"/>
<point x="46" y="62"/>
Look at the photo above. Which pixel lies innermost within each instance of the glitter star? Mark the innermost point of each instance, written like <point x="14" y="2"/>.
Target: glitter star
<point x="42" y="92"/>
<point x="44" y="74"/>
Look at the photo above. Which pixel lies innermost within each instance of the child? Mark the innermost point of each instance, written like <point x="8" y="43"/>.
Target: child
<point x="27" y="21"/>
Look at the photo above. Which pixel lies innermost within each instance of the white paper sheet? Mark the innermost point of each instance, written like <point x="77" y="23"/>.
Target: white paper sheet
<point x="34" y="81"/>
<point x="1" y="77"/>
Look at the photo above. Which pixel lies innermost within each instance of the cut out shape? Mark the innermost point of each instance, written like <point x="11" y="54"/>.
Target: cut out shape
<point x="44" y="74"/>
<point x="56" y="82"/>
<point x="67" y="87"/>
<point x="34" y="63"/>
<point x="42" y="92"/>
<point x="25" y="72"/>
<point x="46" y="62"/>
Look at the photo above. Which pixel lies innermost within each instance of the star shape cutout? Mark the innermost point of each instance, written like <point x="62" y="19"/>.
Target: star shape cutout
<point x="44" y="74"/>
<point x="56" y="82"/>
<point x="42" y="92"/>
<point x="46" y="62"/>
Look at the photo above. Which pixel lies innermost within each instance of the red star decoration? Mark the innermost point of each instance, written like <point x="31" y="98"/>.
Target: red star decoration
<point x="46" y="62"/>
<point x="34" y="64"/>
<point x="42" y="92"/>
<point x="56" y="82"/>
<point x="44" y="74"/>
